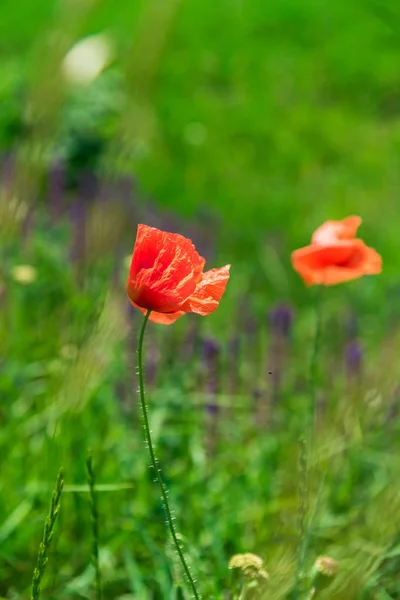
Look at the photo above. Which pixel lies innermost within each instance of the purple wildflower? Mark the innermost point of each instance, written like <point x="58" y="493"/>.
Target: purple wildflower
<point x="211" y="356"/>
<point x="351" y="326"/>
<point x="88" y="186"/>
<point x="354" y="355"/>
<point x="211" y="352"/>
<point x="55" y="190"/>
<point x="233" y="364"/>
<point x="78" y="218"/>
<point x="281" y="319"/>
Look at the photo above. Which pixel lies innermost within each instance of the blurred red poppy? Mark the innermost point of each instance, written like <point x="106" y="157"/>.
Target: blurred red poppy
<point x="166" y="276"/>
<point x="336" y="255"/>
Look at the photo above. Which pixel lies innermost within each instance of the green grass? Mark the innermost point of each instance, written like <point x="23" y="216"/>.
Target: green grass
<point x="248" y="124"/>
<point x="68" y="379"/>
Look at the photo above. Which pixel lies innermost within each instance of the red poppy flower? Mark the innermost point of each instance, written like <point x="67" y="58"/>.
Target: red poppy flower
<point x="166" y="276"/>
<point x="336" y="255"/>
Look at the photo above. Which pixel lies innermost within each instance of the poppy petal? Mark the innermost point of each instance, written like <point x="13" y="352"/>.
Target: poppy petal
<point x="164" y="270"/>
<point x="208" y="292"/>
<point x="166" y="277"/>
<point x="330" y="265"/>
<point x="335" y="231"/>
<point x="372" y="262"/>
<point x="161" y="318"/>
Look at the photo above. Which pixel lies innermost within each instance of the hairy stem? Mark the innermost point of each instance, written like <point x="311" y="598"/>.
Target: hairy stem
<point x="314" y="359"/>
<point x="155" y="463"/>
<point x="306" y="449"/>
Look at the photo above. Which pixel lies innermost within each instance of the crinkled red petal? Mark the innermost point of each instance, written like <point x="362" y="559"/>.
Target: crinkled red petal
<point x="208" y="292"/>
<point x="164" y="270"/>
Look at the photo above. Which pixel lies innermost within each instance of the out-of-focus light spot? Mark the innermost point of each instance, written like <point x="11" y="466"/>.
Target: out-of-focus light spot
<point x="195" y="134"/>
<point x="24" y="274"/>
<point x="87" y="59"/>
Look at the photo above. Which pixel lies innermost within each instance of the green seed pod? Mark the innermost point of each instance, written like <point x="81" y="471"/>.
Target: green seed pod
<point x="323" y="573"/>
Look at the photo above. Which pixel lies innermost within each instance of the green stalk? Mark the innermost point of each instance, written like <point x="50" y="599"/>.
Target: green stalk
<point x="155" y="462"/>
<point x="47" y="536"/>
<point x="302" y="514"/>
<point x="314" y="359"/>
<point x="95" y="526"/>
<point x="304" y="527"/>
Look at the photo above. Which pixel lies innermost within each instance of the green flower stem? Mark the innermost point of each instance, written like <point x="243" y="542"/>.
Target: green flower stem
<point x="155" y="463"/>
<point x="306" y="449"/>
<point x="314" y="359"/>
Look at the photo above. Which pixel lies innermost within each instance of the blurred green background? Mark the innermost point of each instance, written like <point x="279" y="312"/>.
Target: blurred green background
<point x="244" y="125"/>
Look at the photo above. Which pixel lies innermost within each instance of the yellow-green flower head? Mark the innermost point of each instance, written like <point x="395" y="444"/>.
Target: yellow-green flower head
<point x="326" y="566"/>
<point x="251" y="565"/>
<point x="323" y="573"/>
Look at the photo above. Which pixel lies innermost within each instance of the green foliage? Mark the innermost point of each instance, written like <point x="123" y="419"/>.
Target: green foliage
<point x="68" y="376"/>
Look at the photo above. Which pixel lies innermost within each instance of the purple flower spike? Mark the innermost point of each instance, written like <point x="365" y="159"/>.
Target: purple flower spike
<point x="211" y="351"/>
<point x="212" y="408"/>
<point x="55" y="190"/>
<point x="88" y="186"/>
<point x="211" y="355"/>
<point x="78" y="230"/>
<point x="354" y="355"/>
<point x="351" y="326"/>
<point x="234" y="351"/>
<point x="281" y="319"/>
<point x="234" y="346"/>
